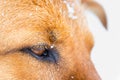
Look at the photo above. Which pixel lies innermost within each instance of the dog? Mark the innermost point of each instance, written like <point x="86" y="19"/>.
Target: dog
<point x="47" y="39"/>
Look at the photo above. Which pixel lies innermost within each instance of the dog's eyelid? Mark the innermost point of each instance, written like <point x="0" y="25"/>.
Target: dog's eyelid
<point x="39" y="49"/>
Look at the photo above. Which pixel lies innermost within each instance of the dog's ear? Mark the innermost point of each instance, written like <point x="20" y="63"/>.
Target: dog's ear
<point x="97" y="9"/>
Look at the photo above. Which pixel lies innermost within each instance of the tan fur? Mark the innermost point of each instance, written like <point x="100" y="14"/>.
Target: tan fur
<point x="26" y="23"/>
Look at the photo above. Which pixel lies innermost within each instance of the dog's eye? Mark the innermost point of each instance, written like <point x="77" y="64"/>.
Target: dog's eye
<point x="43" y="53"/>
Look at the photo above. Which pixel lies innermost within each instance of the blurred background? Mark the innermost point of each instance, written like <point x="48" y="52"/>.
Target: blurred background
<point x="106" y="52"/>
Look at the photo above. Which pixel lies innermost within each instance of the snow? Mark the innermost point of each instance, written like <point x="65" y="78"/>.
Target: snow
<point x="52" y="46"/>
<point x="72" y="77"/>
<point x="3" y="14"/>
<point x="30" y="14"/>
<point x="71" y="11"/>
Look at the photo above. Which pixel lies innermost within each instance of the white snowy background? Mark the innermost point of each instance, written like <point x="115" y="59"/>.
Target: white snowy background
<point x="106" y="52"/>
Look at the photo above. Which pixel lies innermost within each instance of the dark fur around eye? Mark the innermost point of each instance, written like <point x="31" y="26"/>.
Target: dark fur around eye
<point x="49" y="55"/>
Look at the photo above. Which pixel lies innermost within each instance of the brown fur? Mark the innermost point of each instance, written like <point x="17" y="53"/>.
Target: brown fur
<point x="26" y="23"/>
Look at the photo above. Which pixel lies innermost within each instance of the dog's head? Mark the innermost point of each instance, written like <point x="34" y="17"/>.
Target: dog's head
<point x="45" y="40"/>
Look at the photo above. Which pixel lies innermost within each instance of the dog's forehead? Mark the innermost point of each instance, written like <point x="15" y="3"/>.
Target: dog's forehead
<point x="49" y="11"/>
<point x="49" y="14"/>
<point x="54" y="20"/>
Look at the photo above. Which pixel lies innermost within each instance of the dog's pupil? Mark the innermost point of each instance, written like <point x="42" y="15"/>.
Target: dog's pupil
<point x="45" y="54"/>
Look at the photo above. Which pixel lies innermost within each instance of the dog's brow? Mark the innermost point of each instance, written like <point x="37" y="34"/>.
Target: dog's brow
<point x="52" y="36"/>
